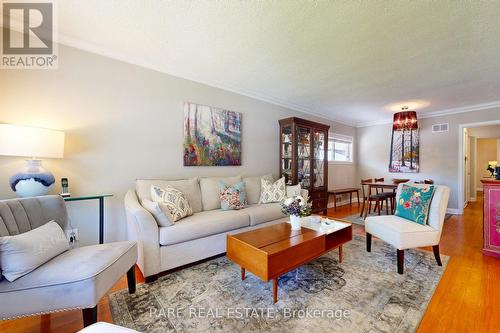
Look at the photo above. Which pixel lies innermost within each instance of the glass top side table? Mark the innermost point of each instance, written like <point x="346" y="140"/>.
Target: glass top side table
<point x="100" y="198"/>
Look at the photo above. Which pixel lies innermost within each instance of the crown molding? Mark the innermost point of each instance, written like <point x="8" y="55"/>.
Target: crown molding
<point x="463" y="109"/>
<point x="93" y="48"/>
<point x="432" y="114"/>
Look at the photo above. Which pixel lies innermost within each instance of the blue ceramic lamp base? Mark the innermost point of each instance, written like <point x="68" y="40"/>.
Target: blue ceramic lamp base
<point x="33" y="180"/>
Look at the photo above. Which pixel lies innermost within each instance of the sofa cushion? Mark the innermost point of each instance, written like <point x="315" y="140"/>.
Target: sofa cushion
<point x="77" y="278"/>
<point x="401" y="233"/>
<point x="210" y="190"/>
<point x="261" y="213"/>
<point x="190" y="188"/>
<point x="204" y="224"/>
<point x="252" y="185"/>
<point x="21" y="254"/>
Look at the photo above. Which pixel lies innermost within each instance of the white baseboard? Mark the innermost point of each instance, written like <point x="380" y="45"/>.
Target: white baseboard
<point x="473" y="199"/>
<point x="453" y="211"/>
<point x="479" y="189"/>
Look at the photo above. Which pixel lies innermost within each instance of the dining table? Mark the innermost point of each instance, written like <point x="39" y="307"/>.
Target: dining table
<point x="383" y="184"/>
<point x="388" y="184"/>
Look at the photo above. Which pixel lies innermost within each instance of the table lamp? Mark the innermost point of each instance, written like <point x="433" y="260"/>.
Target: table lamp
<point x="32" y="142"/>
<point x="491" y="167"/>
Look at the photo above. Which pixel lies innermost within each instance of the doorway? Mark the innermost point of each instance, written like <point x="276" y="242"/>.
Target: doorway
<point x="479" y="154"/>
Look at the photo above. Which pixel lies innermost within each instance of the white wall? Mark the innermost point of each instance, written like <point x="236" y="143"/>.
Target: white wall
<point x="124" y="122"/>
<point x="483" y="132"/>
<point x="438" y="151"/>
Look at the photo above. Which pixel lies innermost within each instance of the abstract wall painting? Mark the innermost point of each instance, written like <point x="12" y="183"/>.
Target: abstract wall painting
<point x="404" y="151"/>
<point x="212" y="136"/>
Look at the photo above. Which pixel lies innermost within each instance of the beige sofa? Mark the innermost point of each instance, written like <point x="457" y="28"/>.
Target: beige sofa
<point x="196" y="237"/>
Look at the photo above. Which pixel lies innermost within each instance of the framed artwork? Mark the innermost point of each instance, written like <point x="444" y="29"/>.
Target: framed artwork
<point x="404" y="151"/>
<point x="212" y="136"/>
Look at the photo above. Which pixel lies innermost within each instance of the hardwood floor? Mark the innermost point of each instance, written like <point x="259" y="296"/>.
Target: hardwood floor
<point x="466" y="299"/>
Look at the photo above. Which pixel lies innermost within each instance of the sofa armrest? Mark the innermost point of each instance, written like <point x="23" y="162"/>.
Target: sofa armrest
<point x="142" y="228"/>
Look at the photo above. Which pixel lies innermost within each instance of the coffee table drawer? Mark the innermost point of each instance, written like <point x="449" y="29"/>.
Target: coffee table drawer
<point x="247" y="256"/>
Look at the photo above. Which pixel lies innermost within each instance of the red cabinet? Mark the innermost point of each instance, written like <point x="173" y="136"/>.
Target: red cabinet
<point x="491" y="230"/>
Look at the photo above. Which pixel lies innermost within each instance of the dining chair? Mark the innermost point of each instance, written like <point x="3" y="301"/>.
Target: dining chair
<point x="378" y="180"/>
<point x="378" y="198"/>
<point x="392" y="195"/>
<point x="385" y="197"/>
<point x="425" y="181"/>
<point x="364" y="194"/>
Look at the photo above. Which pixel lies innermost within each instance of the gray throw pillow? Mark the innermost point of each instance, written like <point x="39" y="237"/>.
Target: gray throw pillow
<point x="156" y="209"/>
<point x="23" y="253"/>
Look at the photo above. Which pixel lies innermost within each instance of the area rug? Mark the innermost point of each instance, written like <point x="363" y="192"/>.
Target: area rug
<point x="356" y="219"/>
<point x="364" y="293"/>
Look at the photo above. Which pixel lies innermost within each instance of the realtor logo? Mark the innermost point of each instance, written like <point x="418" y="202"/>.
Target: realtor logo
<point x="28" y="35"/>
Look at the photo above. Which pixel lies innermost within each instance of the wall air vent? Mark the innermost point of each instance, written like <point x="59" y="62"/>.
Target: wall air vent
<point x="438" y="128"/>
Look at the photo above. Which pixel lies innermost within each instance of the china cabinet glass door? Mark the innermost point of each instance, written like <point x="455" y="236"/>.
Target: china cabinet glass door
<point x="287" y="154"/>
<point x="304" y="157"/>
<point x="319" y="158"/>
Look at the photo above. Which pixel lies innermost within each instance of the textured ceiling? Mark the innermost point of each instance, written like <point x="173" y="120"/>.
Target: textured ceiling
<point x="350" y="61"/>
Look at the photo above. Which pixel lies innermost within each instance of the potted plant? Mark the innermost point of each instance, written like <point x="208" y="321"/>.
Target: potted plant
<point x="296" y="207"/>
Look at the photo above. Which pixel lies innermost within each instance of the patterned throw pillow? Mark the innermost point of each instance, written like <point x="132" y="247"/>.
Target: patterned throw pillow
<point x="174" y="202"/>
<point x="232" y="197"/>
<point x="272" y="192"/>
<point x="414" y="203"/>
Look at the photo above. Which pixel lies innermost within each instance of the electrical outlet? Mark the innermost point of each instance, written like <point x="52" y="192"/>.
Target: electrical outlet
<point x="72" y="235"/>
<point x="77" y="236"/>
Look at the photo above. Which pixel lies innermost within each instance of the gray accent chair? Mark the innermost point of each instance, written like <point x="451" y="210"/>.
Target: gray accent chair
<point x="75" y="279"/>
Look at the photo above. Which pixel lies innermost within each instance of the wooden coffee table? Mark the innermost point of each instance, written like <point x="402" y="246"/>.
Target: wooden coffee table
<point x="272" y="251"/>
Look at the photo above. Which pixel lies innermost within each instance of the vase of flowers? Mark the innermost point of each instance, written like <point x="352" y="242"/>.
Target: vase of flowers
<point x="296" y="207"/>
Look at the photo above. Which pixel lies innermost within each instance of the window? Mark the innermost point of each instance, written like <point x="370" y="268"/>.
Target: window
<point x="340" y="148"/>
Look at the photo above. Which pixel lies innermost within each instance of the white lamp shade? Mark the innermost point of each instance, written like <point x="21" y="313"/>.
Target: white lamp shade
<point x="31" y="141"/>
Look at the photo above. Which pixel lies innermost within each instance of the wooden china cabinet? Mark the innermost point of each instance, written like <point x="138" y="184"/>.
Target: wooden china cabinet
<point x="304" y="158"/>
